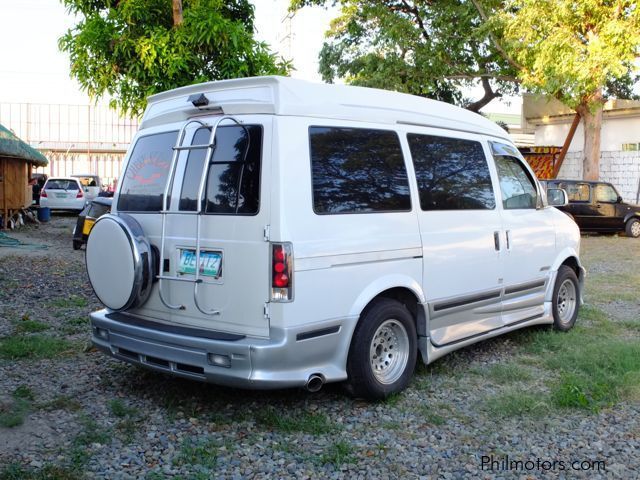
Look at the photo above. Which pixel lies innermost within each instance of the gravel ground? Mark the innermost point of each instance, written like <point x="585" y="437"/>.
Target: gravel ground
<point x="88" y="416"/>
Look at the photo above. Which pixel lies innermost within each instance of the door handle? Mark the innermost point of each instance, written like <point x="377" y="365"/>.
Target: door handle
<point x="496" y="240"/>
<point x="508" y="239"/>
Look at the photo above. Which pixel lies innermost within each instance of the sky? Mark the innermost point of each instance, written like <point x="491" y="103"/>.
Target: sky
<point x="33" y="70"/>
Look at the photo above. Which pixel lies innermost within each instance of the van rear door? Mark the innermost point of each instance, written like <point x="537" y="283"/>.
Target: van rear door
<point x="234" y="255"/>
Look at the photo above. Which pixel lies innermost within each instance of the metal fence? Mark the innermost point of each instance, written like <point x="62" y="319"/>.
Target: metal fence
<point x="75" y="138"/>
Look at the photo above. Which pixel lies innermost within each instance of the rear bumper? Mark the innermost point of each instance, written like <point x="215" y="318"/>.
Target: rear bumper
<point x="287" y="359"/>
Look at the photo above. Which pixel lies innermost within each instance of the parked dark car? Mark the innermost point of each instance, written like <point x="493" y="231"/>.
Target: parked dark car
<point x="598" y="207"/>
<point x="88" y="216"/>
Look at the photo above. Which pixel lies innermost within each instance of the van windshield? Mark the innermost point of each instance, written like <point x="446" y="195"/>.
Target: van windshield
<point x="146" y="175"/>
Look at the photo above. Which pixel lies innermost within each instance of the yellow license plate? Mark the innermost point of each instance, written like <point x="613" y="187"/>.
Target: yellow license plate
<point x="88" y="225"/>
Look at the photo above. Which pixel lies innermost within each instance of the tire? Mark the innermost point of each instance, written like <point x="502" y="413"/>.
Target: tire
<point x="566" y="299"/>
<point x="374" y="370"/>
<point x="632" y="228"/>
<point x="77" y="244"/>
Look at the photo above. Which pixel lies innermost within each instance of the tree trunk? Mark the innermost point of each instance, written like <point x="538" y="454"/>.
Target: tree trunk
<point x="177" y="12"/>
<point x="591" y="114"/>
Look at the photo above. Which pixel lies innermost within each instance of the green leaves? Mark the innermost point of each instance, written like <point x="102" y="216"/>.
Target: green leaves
<point x="128" y="50"/>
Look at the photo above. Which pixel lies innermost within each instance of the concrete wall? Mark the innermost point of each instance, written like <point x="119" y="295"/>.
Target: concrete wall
<point x="622" y="169"/>
<point x="615" y="132"/>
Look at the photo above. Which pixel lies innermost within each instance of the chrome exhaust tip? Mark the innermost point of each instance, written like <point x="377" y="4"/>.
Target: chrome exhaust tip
<point x="315" y="382"/>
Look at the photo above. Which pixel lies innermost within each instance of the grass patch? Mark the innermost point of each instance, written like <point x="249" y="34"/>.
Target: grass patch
<point x="61" y="402"/>
<point x="120" y="409"/>
<point x="91" y="433"/>
<point x="13" y="414"/>
<point x="71" y="302"/>
<point x="337" y="454"/>
<point x="203" y="453"/>
<point x="312" y="423"/>
<point x="31" y="326"/>
<point x="508" y="373"/>
<point x="48" y="472"/>
<point x="33" y="346"/>
<point x="596" y="374"/>
<point x="515" y="403"/>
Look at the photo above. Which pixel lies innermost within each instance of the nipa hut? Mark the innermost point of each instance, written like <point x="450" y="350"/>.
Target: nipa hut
<point x="17" y="159"/>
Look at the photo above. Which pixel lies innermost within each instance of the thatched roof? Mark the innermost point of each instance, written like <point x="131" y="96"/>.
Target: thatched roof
<point x="11" y="146"/>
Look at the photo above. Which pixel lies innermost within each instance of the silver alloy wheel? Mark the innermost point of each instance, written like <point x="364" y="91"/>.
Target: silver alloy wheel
<point x="566" y="301"/>
<point x="635" y="229"/>
<point x="389" y="352"/>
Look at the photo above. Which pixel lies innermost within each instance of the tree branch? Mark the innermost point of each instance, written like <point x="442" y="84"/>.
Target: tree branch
<point x="493" y="38"/>
<point x="489" y="95"/>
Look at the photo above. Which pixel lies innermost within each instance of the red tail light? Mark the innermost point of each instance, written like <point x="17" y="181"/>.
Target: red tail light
<point x="43" y="194"/>
<point x="79" y="194"/>
<point x="281" y="272"/>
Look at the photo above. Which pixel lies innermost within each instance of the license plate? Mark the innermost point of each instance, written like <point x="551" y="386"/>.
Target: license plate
<point x="61" y="195"/>
<point x="210" y="263"/>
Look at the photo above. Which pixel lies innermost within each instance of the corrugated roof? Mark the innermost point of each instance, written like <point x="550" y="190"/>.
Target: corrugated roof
<point x="12" y="146"/>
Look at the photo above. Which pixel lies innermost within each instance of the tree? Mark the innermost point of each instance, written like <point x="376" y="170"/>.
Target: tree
<point x="579" y="52"/>
<point x="435" y="49"/>
<point x="130" y="49"/>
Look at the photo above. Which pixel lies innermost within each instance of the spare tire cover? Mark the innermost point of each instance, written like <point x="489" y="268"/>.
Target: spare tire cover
<point x="119" y="262"/>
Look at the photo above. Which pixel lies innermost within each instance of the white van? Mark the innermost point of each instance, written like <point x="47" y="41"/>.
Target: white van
<point x="338" y="232"/>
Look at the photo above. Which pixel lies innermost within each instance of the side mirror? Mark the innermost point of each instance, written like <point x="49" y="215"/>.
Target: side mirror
<point x="557" y="197"/>
<point x="619" y="200"/>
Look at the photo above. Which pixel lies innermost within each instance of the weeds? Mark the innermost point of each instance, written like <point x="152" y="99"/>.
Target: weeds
<point x="33" y="347"/>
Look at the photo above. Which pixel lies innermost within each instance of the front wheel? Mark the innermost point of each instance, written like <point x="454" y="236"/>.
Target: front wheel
<point x="566" y="299"/>
<point x="633" y="228"/>
<point x="383" y="351"/>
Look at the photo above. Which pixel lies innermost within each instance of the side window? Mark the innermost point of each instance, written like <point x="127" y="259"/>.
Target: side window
<point x="233" y="185"/>
<point x="146" y="175"/>
<point x="517" y="187"/>
<point x="606" y="193"/>
<point x="357" y="170"/>
<point x="577" y="192"/>
<point x="452" y="173"/>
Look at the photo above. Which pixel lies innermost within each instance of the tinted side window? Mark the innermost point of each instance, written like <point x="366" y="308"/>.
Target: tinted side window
<point x="357" y="170"/>
<point x="452" y="173"/>
<point x="576" y="192"/>
<point x="606" y="193"/>
<point x="518" y="189"/>
<point x="233" y="185"/>
<point x="146" y="175"/>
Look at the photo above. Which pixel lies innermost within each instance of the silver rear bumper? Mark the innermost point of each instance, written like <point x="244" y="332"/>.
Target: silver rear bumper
<point x="287" y="359"/>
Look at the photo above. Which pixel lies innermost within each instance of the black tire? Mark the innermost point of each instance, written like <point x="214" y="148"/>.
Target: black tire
<point x="77" y="244"/>
<point x="384" y="322"/>
<point x="566" y="299"/>
<point x="632" y="228"/>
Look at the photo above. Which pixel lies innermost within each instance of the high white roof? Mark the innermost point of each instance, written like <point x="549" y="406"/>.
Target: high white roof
<point x="288" y="96"/>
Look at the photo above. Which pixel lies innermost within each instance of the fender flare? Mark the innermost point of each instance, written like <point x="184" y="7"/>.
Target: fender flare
<point x="565" y="254"/>
<point x="631" y="215"/>
<point x="382" y="284"/>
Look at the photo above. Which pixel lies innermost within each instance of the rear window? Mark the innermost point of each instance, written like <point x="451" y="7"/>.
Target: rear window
<point x="61" y="184"/>
<point x="233" y="184"/>
<point x="357" y="170"/>
<point x="145" y="179"/>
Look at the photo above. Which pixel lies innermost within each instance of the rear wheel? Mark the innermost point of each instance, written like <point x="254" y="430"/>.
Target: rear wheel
<point x="633" y="228"/>
<point x="77" y="244"/>
<point x="566" y="299"/>
<point x="383" y="351"/>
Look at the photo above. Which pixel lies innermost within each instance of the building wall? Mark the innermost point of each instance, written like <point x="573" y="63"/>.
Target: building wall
<point x="622" y="169"/>
<point x="615" y="132"/>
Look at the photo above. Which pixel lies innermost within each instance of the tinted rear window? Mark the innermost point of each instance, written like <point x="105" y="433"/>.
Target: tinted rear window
<point x="233" y="184"/>
<point x="61" y="184"/>
<point x="146" y="176"/>
<point x="452" y="173"/>
<point x="357" y="170"/>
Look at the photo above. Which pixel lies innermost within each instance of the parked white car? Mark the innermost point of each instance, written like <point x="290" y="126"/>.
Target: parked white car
<point x="270" y="232"/>
<point x="63" y="193"/>
<point x="91" y="184"/>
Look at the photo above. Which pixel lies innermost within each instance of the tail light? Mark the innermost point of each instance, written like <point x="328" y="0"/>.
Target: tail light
<point x="79" y="194"/>
<point x="43" y="194"/>
<point x="281" y="272"/>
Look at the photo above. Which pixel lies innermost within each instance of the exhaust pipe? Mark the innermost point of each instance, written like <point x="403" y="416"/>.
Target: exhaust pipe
<point x="315" y="382"/>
